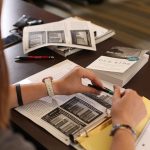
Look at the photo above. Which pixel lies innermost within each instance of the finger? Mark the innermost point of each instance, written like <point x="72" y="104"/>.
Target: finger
<point x="127" y="92"/>
<point x="91" y="76"/>
<point x="117" y="93"/>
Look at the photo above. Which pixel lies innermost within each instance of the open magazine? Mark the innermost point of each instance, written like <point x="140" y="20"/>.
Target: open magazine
<point x="68" y="33"/>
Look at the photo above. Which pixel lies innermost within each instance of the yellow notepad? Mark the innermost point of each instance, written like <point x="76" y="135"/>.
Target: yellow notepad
<point x="99" y="137"/>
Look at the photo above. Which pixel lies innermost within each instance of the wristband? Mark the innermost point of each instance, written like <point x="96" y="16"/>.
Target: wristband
<point x="116" y="127"/>
<point x="19" y="96"/>
<point x="48" y="84"/>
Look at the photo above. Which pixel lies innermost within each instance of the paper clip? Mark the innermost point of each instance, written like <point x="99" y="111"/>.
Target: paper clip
<point x="132" y="58"/>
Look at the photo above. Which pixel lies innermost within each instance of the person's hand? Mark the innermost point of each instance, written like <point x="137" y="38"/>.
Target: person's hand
<point x="128" y="109"/>
<point x="72" y="82"/>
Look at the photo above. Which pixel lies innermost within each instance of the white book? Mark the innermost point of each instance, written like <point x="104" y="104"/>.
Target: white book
<point x="120" y="78"/>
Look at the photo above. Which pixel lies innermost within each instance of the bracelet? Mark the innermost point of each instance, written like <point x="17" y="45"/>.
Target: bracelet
<point x="116" y="127"/>
<point x="48" y="84"/>
<point x="19" y="96"/>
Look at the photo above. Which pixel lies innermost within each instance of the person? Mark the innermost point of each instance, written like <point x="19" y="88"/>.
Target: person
<point x="123" y="112"/>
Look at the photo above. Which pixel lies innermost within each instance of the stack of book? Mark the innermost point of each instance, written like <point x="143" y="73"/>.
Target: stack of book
<point x="120" y="64"/>
<point x="80" y="120"/>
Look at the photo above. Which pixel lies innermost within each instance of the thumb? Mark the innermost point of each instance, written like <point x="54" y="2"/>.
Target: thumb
<point x="117" y="93"/>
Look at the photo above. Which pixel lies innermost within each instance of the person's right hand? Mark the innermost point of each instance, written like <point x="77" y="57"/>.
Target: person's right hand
<point x="72" y="82"/>
<point x="127" y="109"/>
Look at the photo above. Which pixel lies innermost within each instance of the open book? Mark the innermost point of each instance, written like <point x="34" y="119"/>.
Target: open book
<point x="65" y="37"/>
<point x="74" y="33"/>
<point x="100" y="34"/>
<point x="72" y="119"/>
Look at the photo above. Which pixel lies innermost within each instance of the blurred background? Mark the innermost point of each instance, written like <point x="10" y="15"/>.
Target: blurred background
<point x="129" y="18"/>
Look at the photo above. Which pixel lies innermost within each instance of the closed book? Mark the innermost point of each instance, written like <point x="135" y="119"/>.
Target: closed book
<point x="121" y="78"/>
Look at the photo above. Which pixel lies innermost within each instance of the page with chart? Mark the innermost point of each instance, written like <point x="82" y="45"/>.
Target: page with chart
<point x="64" y="116"/>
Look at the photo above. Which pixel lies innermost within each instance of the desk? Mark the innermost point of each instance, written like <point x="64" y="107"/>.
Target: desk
<point x="18" y="71"/>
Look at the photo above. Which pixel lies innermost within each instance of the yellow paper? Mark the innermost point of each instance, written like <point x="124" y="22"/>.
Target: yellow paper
<point x="99" y="138"/>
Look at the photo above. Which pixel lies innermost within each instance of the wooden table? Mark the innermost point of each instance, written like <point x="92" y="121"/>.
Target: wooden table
<point x="12" y="11"/>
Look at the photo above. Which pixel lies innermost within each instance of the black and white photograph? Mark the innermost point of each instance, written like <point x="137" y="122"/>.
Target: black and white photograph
<point x="56" y="36"/>
<point x="63" y="121"/>
<point x="81" y="37"/>
<point x="81" y="109"/>
<point x="74" y="34"/>
<point x="37" y="38"/>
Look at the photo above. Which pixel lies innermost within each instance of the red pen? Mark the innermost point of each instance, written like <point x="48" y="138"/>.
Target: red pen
<point x="33" y="57"/>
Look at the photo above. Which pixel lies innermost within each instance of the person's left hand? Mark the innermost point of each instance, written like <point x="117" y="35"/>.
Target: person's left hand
<point x="128" y="108"/>
<point x="72" y="82"/>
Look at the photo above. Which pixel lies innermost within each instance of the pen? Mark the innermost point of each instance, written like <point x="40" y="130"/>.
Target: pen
<point x="33" y="57"/>
<point x="104" y="89"/>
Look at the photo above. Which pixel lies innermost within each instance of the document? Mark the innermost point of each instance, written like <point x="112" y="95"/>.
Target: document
<point x="73" y="33"/>
<point x="63" y="115"/>
<point x="100" y="35"/>
<point x="81" y="120"/>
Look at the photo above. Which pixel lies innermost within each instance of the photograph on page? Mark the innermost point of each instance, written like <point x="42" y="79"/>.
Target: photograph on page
<point x="73" y="34"/>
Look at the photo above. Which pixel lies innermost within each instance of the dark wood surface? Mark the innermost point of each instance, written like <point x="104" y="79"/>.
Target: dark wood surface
<point x="20" y="70"/>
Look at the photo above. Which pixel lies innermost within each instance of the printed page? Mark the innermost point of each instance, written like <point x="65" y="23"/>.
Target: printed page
<point x="100" y="31"/>
<point x="81" y="33"/>
<point x="63" y="115"/>
<point x="77" y="34"/>
<point x="111" y="64"/>
<point x="56" y="71"/>
<point x="68" y="115"/>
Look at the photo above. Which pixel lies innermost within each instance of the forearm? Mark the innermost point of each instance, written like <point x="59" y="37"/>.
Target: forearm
<point x="123" y="140"/>
<point x="29" y="92"/>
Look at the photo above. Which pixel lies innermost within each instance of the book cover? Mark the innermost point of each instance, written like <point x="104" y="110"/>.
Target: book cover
<point x="113" y="73"/>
